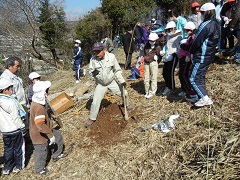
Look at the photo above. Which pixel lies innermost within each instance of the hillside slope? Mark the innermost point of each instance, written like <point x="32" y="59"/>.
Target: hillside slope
<point x="204" y="145"/>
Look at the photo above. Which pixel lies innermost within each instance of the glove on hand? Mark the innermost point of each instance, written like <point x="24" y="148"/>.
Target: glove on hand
<point x="52" y="140"/>
<point x="162" y="53"/>
<point x="155" y="57"/>
<point x="187" y="59"/>
<point x="225" y="19"/>
<point x="123" y="84"/>
<point x="95" y="72"/>
<point x="231" y="29"/>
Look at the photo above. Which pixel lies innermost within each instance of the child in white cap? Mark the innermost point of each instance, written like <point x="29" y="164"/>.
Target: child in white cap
<point x="12" y="128"/>
<point x="41" y="131"/>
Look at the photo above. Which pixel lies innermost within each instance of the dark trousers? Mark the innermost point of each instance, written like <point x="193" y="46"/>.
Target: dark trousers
<point x="226" y="34"/>
<point x="168" y="72"/>
<point x="128" y="60"/>
<point x="41" y="151"/>
<point x="198" y="77"/>
<point x="77" y="68"/>
<point x="14" y="150"/>
<point x="184" y="74"/>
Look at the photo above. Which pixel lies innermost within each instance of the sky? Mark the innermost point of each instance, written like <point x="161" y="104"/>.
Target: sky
<point x="77" y="8"/>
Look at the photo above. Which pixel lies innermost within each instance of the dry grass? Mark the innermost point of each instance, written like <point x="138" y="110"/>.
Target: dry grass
<point x="204" y="145"/>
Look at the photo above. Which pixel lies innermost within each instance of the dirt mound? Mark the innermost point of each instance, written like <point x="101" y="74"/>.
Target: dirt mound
<point x="109" y="125"/>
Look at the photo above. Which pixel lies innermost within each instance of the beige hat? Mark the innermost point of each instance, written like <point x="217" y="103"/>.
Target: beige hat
<point x="207" y="7"/>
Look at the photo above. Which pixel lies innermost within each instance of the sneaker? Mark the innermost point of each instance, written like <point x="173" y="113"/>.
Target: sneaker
<point x="149" y="96"/>
<point x="181" y="94"/>
<point x="44" y="171"/>
<point x="192" y="98"/>
<point x="204" y="102"/>
<point x="78" y="81"/>
<point x="60" y="156"/>
<point x="16" y="170"/>
<point x="146" y="95"/>
<point x="166" y="91"/>
<point x="84" y="72"/>
<point x="89" y="123"/>
<point x="5" y="172"/>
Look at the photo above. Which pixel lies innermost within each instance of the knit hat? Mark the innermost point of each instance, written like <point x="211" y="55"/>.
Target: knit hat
<point x="39" y="91"/>
<point x="5" y="83"/>
<point x="34" y="75"/>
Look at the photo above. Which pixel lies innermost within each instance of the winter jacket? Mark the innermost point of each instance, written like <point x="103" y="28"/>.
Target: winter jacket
<point x="145" y="34"/>
<point x="108" y="44"/>
<point x="205" y="41"/>
<point x="40" y="125"/>
<point x="18" y="90"/>
<point x="10" y="120"/>
<point x="226" y="11"/>
<point x="195" y="18"/>
<point x="173" y="43"/>
<point x="128" y="43"/>
<point x="184" y="47"/>
<point x="235" y="23"/>
<point x="108" y="68"/>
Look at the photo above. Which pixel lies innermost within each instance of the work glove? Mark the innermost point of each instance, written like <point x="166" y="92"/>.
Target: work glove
<point x="155" y="57"/>
<point x="95" y="72"/>
<point x="162" y="53"/>
<point x="52" y="140"/>
<point x="123" y="84"/>
<point x="187" y="59"/>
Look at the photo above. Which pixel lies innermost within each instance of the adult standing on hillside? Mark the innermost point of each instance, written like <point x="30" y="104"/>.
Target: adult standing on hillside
<point x="128" y="46"/>
<point x="78" y="58"/>
<point x="11" y="72"/>
<point x="226" y="15"/>
<point x="235" y="25"/>
<point x="203" y="49"/>
<point x="104" y="68"/>
<point x="108" y="43"/>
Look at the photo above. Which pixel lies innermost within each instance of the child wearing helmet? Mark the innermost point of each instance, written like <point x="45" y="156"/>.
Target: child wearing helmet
<point x="170" y="58"/>
<point x="185" y="63"/>
<point x="195" y="15"/>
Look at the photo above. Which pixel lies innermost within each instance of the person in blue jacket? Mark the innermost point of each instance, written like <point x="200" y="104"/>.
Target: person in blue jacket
<point x="203" y="50"/>
<point x="77" y="60"/>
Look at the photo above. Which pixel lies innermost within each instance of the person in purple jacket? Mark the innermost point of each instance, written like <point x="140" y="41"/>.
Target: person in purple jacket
<point x="203" y="50"/>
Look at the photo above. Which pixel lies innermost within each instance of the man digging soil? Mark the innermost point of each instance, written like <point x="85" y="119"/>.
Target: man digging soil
<point x="103" y="67"/>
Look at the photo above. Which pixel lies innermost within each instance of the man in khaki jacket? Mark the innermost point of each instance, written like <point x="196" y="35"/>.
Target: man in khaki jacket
<point x="104" y="68"/>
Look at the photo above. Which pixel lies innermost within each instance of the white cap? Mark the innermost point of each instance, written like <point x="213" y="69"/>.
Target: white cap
<point x="34" y="75"/>
<point x="207" y="7"/>
<point x="170" y="24"/>
<point x="5" y="83"/>
<point x="153" y="37"/>
<point x="39" y="91"/>
<point x="190" y="25"/>
<point x="77" y="41"/>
